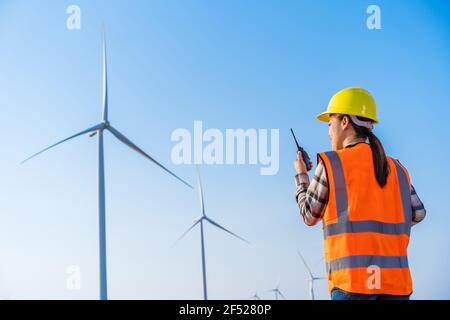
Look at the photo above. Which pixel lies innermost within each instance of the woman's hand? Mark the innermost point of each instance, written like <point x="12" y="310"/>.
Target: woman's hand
<point x="299" y="164"/>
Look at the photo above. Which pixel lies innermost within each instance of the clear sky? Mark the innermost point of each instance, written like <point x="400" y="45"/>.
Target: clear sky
<point x="231" y="64"/>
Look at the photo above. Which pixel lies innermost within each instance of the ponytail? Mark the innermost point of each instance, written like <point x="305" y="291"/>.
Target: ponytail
<point x="380" y="162"/>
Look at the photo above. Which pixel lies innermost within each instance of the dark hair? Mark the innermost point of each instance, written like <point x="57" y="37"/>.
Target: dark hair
<point x="380" y="162"/>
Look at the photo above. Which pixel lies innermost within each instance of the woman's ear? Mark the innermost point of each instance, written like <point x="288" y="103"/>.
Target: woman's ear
<point x="345" y="122"/>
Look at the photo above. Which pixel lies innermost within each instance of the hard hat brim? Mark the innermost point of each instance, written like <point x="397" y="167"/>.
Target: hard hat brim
<point x="324" y="117"/>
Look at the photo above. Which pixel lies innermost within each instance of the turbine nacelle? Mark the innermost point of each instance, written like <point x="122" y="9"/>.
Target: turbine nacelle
<point x="106" y="125"/>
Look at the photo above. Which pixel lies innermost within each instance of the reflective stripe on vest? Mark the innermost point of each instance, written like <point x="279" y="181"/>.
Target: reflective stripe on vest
<point x="344" y="225"/>
<point x="366" y="262"/>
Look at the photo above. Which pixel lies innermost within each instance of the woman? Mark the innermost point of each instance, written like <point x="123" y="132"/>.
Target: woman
<point x="366" y="202"/>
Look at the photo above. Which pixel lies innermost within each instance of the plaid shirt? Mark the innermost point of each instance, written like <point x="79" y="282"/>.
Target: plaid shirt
<point x="312" y="198"/>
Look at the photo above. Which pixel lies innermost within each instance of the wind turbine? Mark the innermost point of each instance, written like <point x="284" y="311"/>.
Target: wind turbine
<point x="255" y="296"/>
<point x="277" y="291"/>
<point x="311" y="278"/>
<point x="98" y="130"/>
<point x="204" y="218"/>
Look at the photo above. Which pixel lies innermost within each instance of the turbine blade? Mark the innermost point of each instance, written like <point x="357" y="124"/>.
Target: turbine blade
<point x="187" y="231"/>
<point x="130" y="144"/>
<point x="104" y="80"/>
<point x="95" y="128"/>
<point x="224" y="229"/>
<point x="282" y="295"/>
<point x="202" y="203"/>
<point x="306" y="265"/>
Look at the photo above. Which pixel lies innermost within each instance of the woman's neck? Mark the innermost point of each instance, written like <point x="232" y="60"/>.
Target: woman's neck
<point x="352" y="141"/>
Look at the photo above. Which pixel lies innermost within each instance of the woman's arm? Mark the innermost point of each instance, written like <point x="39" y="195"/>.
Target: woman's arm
<point x="312" y="198"/>
<point x="418" y="209"/>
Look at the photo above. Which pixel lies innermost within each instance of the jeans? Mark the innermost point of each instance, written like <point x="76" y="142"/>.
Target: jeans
<point x="338" y="294"/>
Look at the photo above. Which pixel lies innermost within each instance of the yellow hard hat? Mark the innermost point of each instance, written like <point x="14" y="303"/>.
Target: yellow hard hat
<point x="352" y="101"/>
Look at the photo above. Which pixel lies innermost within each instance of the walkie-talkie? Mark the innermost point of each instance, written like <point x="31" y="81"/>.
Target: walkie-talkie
<point x="305" y="155"/>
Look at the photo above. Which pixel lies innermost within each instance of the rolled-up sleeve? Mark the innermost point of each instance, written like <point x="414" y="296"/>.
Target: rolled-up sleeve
<point x="418" y="208"/>
<point x="312" y="197"/>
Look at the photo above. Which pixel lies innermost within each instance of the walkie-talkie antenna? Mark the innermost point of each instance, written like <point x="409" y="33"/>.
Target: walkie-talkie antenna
<point x="305" y="155"/>
<point x="295" y="139"/>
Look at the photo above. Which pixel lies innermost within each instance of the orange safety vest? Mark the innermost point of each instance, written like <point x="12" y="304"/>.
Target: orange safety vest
<point x="366" y="227"/>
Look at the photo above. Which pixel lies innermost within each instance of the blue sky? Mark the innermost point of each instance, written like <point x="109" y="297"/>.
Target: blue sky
<point x="231" y="64"/>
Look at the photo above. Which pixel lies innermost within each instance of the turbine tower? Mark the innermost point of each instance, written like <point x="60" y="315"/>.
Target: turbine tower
<point x="204" y="218"/>
<point x="99" y="130"/>
<point x="311" y="278"/>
